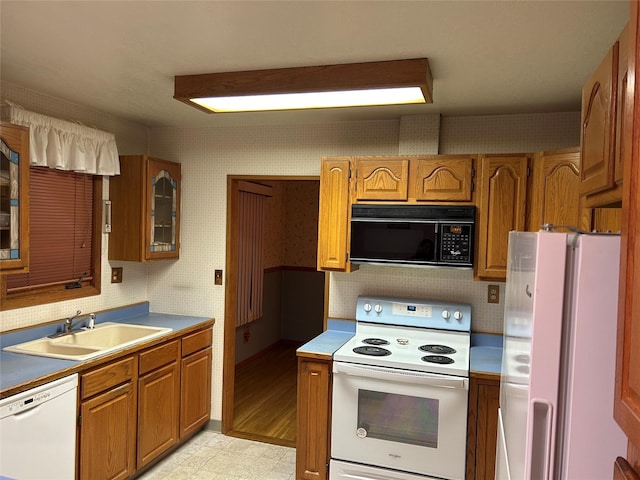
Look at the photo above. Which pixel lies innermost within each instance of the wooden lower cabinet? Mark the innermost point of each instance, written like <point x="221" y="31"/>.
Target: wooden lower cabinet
<point x="158" y="401"/>
<point x="136" y="408"/>
<point x="482" y="426"/>
<point x="108" y="422"/>
<point x="313" y="419"/>
<point x="195" y="405"/>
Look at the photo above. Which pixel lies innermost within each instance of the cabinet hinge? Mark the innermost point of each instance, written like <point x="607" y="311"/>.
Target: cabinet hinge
<point x="528" y="171"/>
<point x="473" y="172"/>
<point x="349" y="174"/>
<point x="473" y="186"/>
<point x="79" y="420"/>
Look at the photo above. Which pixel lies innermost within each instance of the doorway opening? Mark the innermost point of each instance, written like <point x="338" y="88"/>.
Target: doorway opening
<point x="259" y="361"/>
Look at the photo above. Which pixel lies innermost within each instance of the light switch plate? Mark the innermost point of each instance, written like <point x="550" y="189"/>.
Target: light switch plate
<point x="217" y="277"/>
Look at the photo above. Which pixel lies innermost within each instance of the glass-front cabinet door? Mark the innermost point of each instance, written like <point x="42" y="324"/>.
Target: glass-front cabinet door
<point x="145" y="210"/>
<point x="14" y="198"/>
<point x="164" y="209"/>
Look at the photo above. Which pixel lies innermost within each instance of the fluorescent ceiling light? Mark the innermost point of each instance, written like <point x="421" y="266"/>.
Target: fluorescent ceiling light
<point x="329" y="86"/>
<point x="296" y="101"/>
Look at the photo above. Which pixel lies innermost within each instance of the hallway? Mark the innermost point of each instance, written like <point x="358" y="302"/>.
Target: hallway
<point x="265" y="397"/>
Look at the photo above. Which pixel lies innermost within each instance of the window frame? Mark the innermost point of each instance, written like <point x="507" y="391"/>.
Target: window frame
<point x="58" y="293"/>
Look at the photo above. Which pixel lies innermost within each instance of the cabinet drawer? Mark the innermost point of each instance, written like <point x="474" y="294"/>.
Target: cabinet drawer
<point x="158" y="356"/>
<point x="196" y="341"/>
<point x="106" y="377"/>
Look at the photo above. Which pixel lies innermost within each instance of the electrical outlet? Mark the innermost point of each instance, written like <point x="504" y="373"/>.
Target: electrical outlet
<point x="116" y="275"/>
<point x="217" y="277"/>
<point x="493" y="294"/>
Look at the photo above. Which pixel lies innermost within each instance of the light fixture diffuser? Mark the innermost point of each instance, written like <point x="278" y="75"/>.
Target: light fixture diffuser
<point x="328" y="86"/>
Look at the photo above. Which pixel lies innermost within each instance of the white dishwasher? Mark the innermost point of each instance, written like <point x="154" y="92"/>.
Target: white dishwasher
<point x="38" y="432"/>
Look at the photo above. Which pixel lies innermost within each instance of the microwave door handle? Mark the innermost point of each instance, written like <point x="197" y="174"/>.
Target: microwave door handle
<point x="381" y="373"/>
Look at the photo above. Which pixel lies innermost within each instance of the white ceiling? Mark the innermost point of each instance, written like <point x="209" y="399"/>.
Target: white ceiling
<point x="487" y="57"/>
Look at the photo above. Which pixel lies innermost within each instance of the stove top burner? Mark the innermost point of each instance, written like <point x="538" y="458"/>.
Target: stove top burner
<point x="375" y="341"/>
<point x="440" y="349"/>
<point x="440" y="359"/>
<point x="373" y="351"/>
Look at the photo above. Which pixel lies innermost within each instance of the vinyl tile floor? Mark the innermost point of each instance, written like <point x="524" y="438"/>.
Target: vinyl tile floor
<point x="214" y="456"/>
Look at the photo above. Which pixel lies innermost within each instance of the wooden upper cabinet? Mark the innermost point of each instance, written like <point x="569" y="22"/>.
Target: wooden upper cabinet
<point x="333" y="217"/>
<point x="500" y="209"/>
<point x="14" y="198"/>
<point x="598" y="126"/>
<point x="554" y="191"/>
<point x="145" y="217"/>
<point x="442" y="178"/>
<point x="621" y="100"/>
<point x="381" y="178"/>
<point x="627" y="386"/>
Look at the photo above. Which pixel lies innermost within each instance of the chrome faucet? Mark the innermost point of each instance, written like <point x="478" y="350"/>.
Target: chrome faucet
<point x="68" y="323"/>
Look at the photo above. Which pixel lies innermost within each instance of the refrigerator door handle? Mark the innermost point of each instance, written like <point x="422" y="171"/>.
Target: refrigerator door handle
<point x="541" y="440"/>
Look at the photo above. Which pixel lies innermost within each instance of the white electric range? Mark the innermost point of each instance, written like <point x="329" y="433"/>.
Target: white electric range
<point x="400" y="391"/>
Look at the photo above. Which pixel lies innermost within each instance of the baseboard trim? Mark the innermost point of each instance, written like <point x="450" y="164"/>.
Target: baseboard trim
<point x="213" y="426"/>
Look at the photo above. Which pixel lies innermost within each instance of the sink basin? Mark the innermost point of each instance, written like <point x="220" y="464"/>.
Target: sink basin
<point x="86" y="344"/>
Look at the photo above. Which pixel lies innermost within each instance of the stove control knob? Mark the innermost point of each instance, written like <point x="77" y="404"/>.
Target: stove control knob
<point x="457" y="315"/>
<point x="446" y="314"/>
<point x="378" y="308"/>
<point x="367" y="307"/>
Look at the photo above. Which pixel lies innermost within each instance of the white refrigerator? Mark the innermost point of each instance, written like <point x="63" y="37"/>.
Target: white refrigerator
<point x="555" y="419"/>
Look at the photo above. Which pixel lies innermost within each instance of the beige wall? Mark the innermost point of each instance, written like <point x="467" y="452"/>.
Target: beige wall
<point x="208" y="155"/>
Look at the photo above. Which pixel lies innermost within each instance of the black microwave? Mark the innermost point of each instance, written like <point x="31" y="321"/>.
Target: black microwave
<point x="418" y="235"/>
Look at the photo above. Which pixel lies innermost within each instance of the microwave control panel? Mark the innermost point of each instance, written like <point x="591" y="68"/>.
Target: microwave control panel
<point x="455" y="243"/>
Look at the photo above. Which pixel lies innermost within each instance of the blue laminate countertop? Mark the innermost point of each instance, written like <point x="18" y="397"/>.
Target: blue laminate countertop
<point x="325" y="344"/>
<point x="18" y="369"/>
<point x="485" y="355"/>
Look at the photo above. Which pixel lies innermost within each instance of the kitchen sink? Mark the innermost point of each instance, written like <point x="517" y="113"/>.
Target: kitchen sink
<point x="86" y="344"/>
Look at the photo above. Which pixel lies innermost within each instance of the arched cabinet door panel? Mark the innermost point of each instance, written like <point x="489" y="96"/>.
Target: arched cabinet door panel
<point x="500" y="209"/>
<point x="442" y="178"/>
<point x="381" y="178"/>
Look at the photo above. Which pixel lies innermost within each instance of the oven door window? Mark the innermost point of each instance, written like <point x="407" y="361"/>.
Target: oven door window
<point x="398" y="418"/>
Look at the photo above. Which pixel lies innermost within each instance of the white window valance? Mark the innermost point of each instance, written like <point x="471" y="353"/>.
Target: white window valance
<point x="66" y="145"/>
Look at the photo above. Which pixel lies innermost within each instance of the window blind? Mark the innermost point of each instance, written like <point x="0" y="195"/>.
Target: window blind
<point x="61" y="229"/>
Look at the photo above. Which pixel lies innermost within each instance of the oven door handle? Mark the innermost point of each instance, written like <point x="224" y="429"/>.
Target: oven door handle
<point x="402" y="376"/>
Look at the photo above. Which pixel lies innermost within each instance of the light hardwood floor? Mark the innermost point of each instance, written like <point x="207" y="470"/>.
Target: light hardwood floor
<point x="265" y="397"/>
